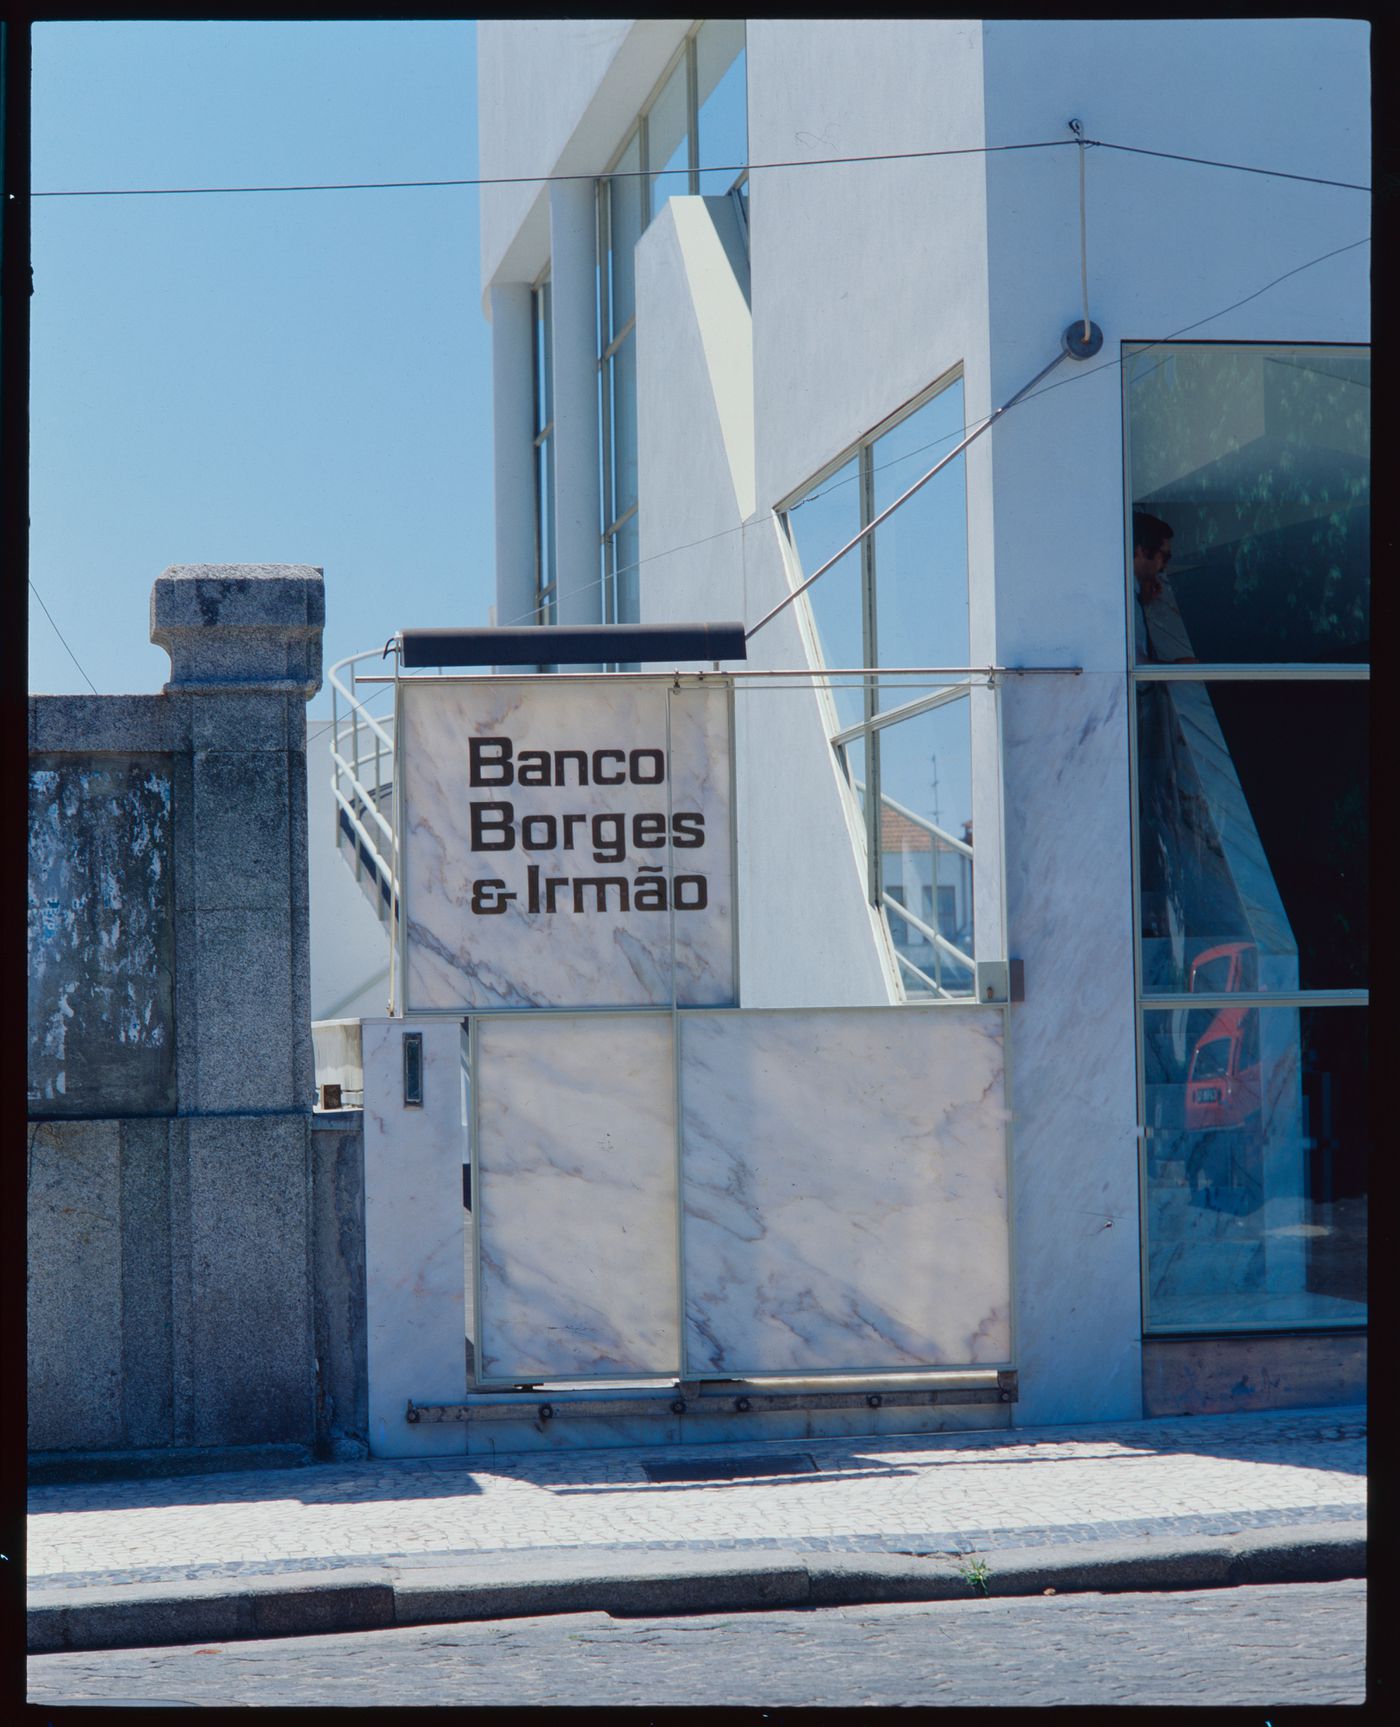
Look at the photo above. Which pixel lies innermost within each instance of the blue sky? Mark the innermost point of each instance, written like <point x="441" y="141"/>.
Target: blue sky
<point x="281" y="378"/>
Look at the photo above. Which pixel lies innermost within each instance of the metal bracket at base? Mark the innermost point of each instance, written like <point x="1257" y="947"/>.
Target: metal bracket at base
<point x="689" y="1398"/>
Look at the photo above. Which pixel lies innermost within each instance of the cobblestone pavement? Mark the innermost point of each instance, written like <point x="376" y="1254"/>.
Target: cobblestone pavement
<point x="925" y="1493"/>
<point x="1298" y="1643"/>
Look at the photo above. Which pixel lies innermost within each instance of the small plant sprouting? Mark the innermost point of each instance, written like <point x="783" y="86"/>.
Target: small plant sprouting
<point x="975" y="1574"/>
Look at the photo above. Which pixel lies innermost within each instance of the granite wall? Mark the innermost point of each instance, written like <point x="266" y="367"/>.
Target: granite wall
<point x="195" y="1250"/>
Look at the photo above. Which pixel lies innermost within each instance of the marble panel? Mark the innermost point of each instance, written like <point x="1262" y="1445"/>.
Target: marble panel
<point x="414" y="1296"/>
<point x="520" y="924"/>
<point x="845" y="1190"/>
<point x="1072" y="1051"/>
<point x="574" y="1190"/>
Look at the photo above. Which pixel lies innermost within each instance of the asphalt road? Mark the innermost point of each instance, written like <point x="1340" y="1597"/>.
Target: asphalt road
<point x="1269" y="1645"/>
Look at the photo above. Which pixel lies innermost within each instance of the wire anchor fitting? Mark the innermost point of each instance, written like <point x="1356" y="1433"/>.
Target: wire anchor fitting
<point x="1083" y="338"/>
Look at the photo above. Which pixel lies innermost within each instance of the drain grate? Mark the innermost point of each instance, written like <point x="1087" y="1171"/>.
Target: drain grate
<point x="728" y="1468"/>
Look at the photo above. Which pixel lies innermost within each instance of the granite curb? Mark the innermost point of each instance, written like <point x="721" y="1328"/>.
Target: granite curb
<point x="548" y="1581"/>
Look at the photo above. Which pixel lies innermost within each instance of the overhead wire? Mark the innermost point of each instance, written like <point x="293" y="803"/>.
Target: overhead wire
<point x="1077" y="376"/>
<point x="59" y="633"/>
<point x="1078" y="140"/>
<point x="715" y="168"/>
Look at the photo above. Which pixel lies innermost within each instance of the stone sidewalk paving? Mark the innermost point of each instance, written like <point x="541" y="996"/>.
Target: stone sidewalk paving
<point x="936" y="1493"/>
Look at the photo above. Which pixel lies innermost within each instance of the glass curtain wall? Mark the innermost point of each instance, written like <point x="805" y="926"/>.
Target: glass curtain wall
<point x="690" y="137"/>
<point x="900" y="598"/>
<point x="1248" y="569"/>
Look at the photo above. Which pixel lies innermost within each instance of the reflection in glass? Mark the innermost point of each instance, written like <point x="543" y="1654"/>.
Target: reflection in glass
<point x="1253" y="836"/>
<point x="668" y="143"/>
<point x="1255" y="1165"/>
<point x="920" y="552"/>
<point x="722" y="93"/>
<point x="925" y="860"/>
<point x="1258" y="461"/>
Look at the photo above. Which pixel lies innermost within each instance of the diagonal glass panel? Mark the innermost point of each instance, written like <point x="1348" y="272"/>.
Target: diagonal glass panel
<point x="920" y="553"/>
<point x="819" y="524"/>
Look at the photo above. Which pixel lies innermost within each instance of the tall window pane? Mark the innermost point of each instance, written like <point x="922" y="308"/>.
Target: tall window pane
<point x="722" y="93"/>
<point x="1249" y="539"/>
<point x="1258" y="461"/>
<point x="626" y="203"/>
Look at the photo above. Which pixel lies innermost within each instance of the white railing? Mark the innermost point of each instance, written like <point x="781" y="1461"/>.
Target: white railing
<point x="362" y="782"/>
<point x="940" y="840"/>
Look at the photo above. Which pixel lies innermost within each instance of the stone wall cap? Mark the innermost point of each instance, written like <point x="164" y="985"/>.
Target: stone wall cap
<point x="249" y="626"/>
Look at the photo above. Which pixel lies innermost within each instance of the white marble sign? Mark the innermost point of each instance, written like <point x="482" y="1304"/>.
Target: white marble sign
<point x="574" y="1172"/>
<point x="557" y="838"/>
<point x="844" y="1185"/>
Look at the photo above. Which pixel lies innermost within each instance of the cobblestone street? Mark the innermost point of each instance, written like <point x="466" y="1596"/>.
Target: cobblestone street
<point x="1266" y="1646"/>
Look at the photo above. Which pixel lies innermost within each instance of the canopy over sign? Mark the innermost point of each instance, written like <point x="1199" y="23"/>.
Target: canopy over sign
<point x="566" y="844"/>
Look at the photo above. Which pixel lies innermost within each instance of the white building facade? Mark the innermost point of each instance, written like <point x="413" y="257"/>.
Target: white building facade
<point x="749" y="281"/>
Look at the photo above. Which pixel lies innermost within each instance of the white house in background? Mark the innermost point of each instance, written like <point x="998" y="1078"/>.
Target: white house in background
<point x="706" y="383"/>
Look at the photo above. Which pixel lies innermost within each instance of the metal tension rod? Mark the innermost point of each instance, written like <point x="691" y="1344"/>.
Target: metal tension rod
<point x="1073" y="343"/>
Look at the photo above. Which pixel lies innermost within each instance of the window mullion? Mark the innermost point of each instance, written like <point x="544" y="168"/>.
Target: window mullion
<point x="873" y="804"/>
<point x="692" y="116"/>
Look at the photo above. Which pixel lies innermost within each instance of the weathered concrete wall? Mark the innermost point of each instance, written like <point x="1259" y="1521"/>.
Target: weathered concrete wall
<point x="139" y="1327"/>
<point x="101" y="936"/>
<point x="338" y="1252"/>
<point x="173" y="1296"/>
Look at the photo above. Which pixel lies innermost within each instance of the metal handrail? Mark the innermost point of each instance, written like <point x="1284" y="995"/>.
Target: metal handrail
<point x="941" y="942"/>
<point x="919" y="821"/>
<point x="923" y="977"/>
<point x="353" y="795"/>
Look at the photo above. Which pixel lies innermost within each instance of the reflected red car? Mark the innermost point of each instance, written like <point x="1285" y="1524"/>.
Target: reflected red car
<point x="1222" y="1082"/>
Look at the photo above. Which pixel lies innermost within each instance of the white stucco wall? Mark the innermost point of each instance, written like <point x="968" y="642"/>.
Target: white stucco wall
<point x="867" y="282"/>
<point x="554" y="96"/>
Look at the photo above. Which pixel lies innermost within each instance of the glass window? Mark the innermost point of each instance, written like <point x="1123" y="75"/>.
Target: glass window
<point x="899" y="598"/>
<point x="1248" y="565"/>
<point x="925" y="847"/>
<point x="1256" y="1185"/>
<point x="1257" y="461"/>
<point x="722" y="127"/>
<point x="920" y="553"/>
<point x="1252" y="834"/>
<point x="626" y="199"/>
<point x="701" y="103"/>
